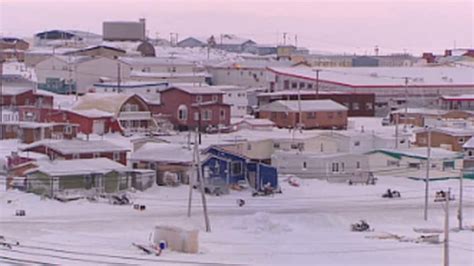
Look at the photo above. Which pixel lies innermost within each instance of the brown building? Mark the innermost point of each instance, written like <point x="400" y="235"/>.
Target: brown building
<point x="80" y="149"/>
<point x="13" y="48"/>
<point x="99" y="50"/>
<point x="323" y="114"/>
<point x="19" y="96"/>
<point x="420" y="116"/>
<point x="188" y="107"/>
<point x="449" y="138"/>
<point x="358" y="104"/>
<point x="29" y="132"/>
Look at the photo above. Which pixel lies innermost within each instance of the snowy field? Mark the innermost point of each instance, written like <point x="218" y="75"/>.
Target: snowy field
<point x="306" y="225"/>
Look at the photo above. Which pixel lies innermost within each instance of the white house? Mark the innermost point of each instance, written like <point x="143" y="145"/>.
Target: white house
<point x="237" y="98"/>
<point x="334" y="167"/>
<point x="68" y="74"/>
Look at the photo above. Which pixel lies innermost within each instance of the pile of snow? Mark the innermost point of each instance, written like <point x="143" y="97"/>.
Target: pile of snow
<point x="261" y="223"/>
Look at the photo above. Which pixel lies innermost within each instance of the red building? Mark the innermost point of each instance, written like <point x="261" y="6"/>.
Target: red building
<point x="17" y="96"/>
<point x="188" y="107"/>
<point x="80" y="149"/>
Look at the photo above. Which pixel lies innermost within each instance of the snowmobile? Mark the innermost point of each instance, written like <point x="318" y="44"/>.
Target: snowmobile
<point x="391" y="194"/>
<point x="361" y="226"/>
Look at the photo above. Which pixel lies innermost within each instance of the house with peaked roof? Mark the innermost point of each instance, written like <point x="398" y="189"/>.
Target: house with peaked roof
<point x="450" y="138"/>
<point x="193" y="42"/>
<point x="79" y="149"/>
<point x="130" y="112"/>
<point x="233" y="43"/>
<point x="70" y="74"/>
<point x="164" y="159"/>
<point x="324" y="114"/>
<point x="191" y="106"/>
<point x="98" y="50"/>
<point x="225" y="167"/>
<point x="66" y="179"/>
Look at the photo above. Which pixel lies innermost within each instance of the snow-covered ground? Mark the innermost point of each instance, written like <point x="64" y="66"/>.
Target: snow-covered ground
<point x="304" y="225"/>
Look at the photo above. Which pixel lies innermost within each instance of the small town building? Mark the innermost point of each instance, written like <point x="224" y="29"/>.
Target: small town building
<point x="358" y="104"/>
<point x="66" y="37"/>
<point x="333" y="167"/>
<point x="468" y="163"/>
<point x="14" y="97"/>
<point x="29" y="132"/>
<point x="457" y="102"/>
<point x="124" y="30"/>
<point x="98" y="51"/>
<point x="130" y="111"/>
<point x="323" y="114"/>
<point x="76" y="74"/>
<point x="428" y="117"/>
<point x="192" y="42"/>
<point x="65" y="179"/>
<point x="236" y="97"/>
<point x="169" y="161"/>
<point x="224" y="167"/>
<point x="79" y="149"/>
<point x="189" y="106"/>
<point x="450" y="138"/>
<point x="253" y="124"/>
<point x="411" y="163"/>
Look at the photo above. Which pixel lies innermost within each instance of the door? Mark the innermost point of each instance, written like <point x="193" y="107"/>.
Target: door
<point x="98" y="127"/>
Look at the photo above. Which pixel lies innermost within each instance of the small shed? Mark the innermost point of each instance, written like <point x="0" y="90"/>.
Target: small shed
<point x="232" y="168"/>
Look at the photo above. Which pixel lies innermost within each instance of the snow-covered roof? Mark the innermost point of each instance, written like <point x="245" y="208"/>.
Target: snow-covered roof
<point x="106" y="102"/>
<point x="469" y="144"/>
<point x="295" y="92"/>
<point x="76" y="59"/>
<point x="78" y="146"/>
<point x="156" y="61"/>
<point x="452" y="131"/>
<point x="78" y="167"/>
<point x="162" y="75"/>
<point x="421" y="153"/>
<point x="231" y="39"/>
<point x="384" y="76"/>
<point x="163" y="152"/>
<point x="306" y="106"/>
<point x="426" y="111"/>
<point x="131" y="84"/>
<point x="252" y="64"/>
<point x="10" y="90"/>
<point x="197" y="89"/>
<point x="463" y="97"/>
<point x="256" y="122"/>
<point x="93" y="113"/>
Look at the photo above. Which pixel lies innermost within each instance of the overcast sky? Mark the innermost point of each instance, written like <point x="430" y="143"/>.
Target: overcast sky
<point x="338" y="26"/>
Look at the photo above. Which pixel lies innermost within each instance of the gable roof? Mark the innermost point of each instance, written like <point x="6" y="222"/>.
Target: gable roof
<point x="163" y="152"/>
<point x="420" y="153"/>
<point x="451" y="131"/>
<point x="198" y="89"/>
<point x="77" y="167"/>
<point x="78" y="146"/>
<point x="469" y="144"/>
<point x="306" y="106"/>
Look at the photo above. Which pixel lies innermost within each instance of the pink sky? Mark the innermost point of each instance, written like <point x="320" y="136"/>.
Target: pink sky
<point x="338" y="26"/>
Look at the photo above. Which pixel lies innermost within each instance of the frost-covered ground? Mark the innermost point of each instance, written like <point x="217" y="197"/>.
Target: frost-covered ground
<point x="305" y="225"/>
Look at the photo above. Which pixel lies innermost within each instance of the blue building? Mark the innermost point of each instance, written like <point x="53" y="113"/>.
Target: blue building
<point x="231" y="168"/>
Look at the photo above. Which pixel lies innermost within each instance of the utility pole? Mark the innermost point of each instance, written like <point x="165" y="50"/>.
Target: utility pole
<point x="461" y="177"/>
<point x="446" y="228"/>
<point x="427" y="177"/>
<point x="406" y="105"/>
<point x="191" y="176"/>
<point x="1" y="94"/>
<point x="317" y="81"/>
<point x="284" y="37"/>
<point x="119" y="77"/>
<point x="397" y="119"/>
<point x="201" y="188"/>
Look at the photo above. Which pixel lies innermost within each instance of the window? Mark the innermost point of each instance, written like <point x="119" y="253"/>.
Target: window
<point x="335" y="167"/>
<point x="96" y="155"/>
<point x="294" y="85"/>
<point x="276" y="145"/>
<point x="249" y="146"/>
<point x="76" y="156"/>
<point x="68" y="129"/>
<point x="236" y="168"/>
<point x="135" y="165"/>
<point x="214" y="98"/>
<point x="304" y="166"/>
<point x="196" y="116"/>
<point x="207" y="115"/>
<point x="311" y="115"/>
<point x="286" y="84"/>
<point x="105" y="90"/>
<point x="183" y="112"/>
<point x="393" y="163"/>
<point x="148" y="90"/>
<point x="309" y="85"/>
<point x="357" y="143"/>
<point x="355" y="106"/>
<point x="461" y="140"/>
<point x="369" y="106"/>
<point x="116" y="156"/>
<point x="157" y="90"/>
<point x="339" y="114"/>
<point x="358" y="165"/>
<point x="302" y="84"/>
<point x="229" y="94"/>
<point x="469" y="153"/>
<point x="198" y="98"/>
<point x="152" y="166"/>
<point x="222" y="114"/>
<point x="342" y="167"/>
